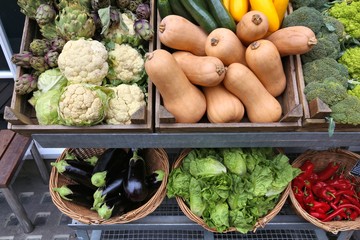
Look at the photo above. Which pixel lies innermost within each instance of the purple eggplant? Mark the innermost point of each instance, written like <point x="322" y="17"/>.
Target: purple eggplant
<point x="77" y="194"/>
<point x="109" y="165"/>
<point x="134" y="185"/>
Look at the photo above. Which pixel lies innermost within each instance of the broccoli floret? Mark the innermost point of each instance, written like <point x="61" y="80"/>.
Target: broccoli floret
<point x="351" y="59"/>
<point x="347" y="111"/>
<point x="355" y="91"/>
<point x="321" y="69"/>
<point x="330" y="91"/>
<point x="305" y="16"/>
<point x="317" y="4"/>
<point x="349" y="15"/>
<point x="333" y="25"/>
<point x="328" y="45"/>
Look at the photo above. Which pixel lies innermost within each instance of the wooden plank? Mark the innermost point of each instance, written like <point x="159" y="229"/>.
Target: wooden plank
<point x="6" y="137"/>
<point x="11" y="158"/>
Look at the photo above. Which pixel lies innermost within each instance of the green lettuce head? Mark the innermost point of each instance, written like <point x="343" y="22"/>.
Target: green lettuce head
<point x="46" y="108"/>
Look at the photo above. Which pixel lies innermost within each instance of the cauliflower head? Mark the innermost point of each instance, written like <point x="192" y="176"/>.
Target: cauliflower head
<point x="126" y="64"/>
<point x="84" y="61"/>
<point x="83" y="104"/>
<point x="126" y="101"/>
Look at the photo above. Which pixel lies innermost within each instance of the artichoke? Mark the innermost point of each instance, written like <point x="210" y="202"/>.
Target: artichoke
<point x="133" y="5"/>
<point x="45" y="13"/>
<point x="22" y="59"/>
<point x="82" y="4"/>
<point x="144" y="29"/>
<point x="39" y="47"/>
<point x="51" y="58"/>
<point x="38" y="63"/>
<point x="122" y="4"/>
<point x="143" y="11"/>
<point x="29" y="7"/>
<point x="24" y="84"/>
<point x="73" y="23"/>
<point x="57" y="44"/>
<point x="48" y="30"/>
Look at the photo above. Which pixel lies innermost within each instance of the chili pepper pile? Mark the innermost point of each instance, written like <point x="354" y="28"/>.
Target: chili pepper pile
<point x="327" y="195"/>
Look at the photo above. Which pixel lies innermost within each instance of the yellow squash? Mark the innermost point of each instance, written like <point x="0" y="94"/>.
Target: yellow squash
<point x="281" y="6"/>
<point x="238" y="8"/>
<point x="226" y="4"/>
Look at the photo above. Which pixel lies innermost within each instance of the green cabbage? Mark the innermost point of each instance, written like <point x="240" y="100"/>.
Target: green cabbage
<point x="46" y="108"/>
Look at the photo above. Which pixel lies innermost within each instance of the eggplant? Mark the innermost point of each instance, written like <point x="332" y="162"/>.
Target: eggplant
<point x="109" y="165"/>
<point x="77" y="194"/>
<point x="115" y="188"/>
<point x="154" y="180"/>
<point x="115" y="205"/>
<point x="134" y="185"/>
<point x="75" y="173"/>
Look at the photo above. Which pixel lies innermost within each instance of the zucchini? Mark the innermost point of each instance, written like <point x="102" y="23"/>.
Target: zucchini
<point x="198" y="10"/>
<point x="178" y="9"/>
<point x="164" y="8"/>
<point x="221" y="15"/>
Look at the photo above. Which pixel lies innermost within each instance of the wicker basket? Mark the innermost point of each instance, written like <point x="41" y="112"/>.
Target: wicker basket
<point x="261" y="221"/>
<point x="347" y="159"/>
<point x="155" y="159"/>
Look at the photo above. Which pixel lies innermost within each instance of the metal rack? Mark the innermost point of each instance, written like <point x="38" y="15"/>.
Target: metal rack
<point x="167" y="223"/>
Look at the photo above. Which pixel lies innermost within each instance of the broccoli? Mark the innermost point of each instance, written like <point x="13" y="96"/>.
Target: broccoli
<point x="349" y="15"/>
<point x="328" y="45"/>
<point x="319" y="5"/>
<point x="321" y="69"/>
<point x="305" y="16"/>
<point x="347" y="111"/>
<point x="351" y="59"/>
<point x="330" y="91"/>
<point x="355" y="91"/>
<point x="333" y="25"/>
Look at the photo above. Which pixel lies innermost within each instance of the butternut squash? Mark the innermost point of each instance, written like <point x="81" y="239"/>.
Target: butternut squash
<point x="180" y="97"/>
<point x="253" y="26"/>
<point x="222" y="105"/>
<point x="201" y="70"/>
<point x="268" y="8"/>
<point x="293" y="40"/>
<point x="225" y="45"/>
<point x="179" y="33"/>
<point x="264" y="60"/>
<point x="260" y="105"/>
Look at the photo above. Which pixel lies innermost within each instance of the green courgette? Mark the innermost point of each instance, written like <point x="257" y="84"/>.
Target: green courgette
<point x="164" y="8"/>
<point x="198" y="10"/>
<point x="180" y="10"/>
<point x="221" y="15"/>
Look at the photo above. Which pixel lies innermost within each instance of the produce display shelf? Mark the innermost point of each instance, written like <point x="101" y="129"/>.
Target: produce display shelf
<point x="200" y="140"/>
<point x="168" y="222"/>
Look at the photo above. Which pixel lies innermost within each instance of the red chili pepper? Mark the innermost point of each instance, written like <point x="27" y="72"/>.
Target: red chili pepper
<point x="328" y="171"/>
<point x="340" y="184"/>
<point x="336" y="213"/>
<point x="323" y="191"/>
<point x="335" y="207"/>
<point x="299" y="195"/>
<point x="352" y="199"/>
<point x="299" y="183"/>
<point x="318" y="215"/>
<point x="313" y="177"/>
<point x="342" y="192"/>
<point x="341" y="208"/>
<point x="353" y="215"/>
<point x="307" y="169"/>
<point x="317" y="206"/>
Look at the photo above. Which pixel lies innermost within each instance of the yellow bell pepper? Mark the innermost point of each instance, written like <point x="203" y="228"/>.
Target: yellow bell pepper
<point x="267" y="7"/>
<point x="238" y="8"/>
<point x="281" y="6"/>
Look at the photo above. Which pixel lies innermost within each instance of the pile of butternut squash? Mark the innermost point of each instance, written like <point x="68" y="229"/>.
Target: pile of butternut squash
<point x="224" y="74"/>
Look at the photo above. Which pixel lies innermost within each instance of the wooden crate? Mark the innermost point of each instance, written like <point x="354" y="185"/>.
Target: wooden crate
<point x="316" y="111"/>
<point x="289" y="100"/>
<point x="21" y="116"/>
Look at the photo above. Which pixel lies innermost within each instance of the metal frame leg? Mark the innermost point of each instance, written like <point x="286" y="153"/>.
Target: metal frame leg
<point x="6" y="48"/>
<point x="18" y="209"/>
<point x="44" y="172"/>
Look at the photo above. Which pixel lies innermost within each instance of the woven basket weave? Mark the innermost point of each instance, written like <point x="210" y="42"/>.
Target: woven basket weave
<point x="261" y="222"/>
<point x="346" y="159"/>
<point x="155" y="159"/>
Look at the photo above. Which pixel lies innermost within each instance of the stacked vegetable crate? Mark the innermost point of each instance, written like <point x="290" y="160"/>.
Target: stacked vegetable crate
<point x="21" y="115"/>
<point x="291" y="119"/>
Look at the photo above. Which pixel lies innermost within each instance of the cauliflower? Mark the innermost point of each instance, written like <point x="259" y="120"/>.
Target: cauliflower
<point x="126" y="65"/>
<point x="84" y="61"/>
<point x="83" y="104"/>
<point x="126" y="101"/>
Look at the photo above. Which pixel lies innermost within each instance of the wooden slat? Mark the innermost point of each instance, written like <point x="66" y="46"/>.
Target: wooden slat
<point x="11" y="158"/>
<point x="6" y="137"/>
